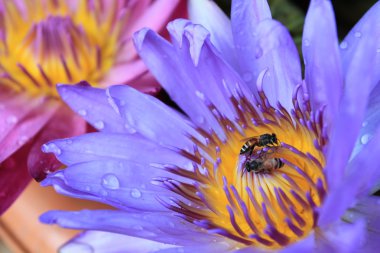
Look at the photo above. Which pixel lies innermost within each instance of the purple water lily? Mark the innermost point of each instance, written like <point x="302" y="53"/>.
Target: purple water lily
<point x="261" y="160"/>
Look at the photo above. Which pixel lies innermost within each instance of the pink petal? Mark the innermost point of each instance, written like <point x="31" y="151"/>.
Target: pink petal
<point x="35" y="113"/>
<point x="63" y="124"/>
<point x="14" y="177"/>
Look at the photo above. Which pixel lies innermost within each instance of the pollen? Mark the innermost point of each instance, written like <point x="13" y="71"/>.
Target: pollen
<point x="46" y="42"/>
<point x="268" y="208"/>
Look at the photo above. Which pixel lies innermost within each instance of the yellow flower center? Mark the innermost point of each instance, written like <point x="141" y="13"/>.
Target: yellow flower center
<point x="272" y="201"/>
<point x="43" y="43"/>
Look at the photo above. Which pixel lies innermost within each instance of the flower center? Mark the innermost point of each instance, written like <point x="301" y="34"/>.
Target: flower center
<point x="45" y="43"/>
<point x="264" y="190"/>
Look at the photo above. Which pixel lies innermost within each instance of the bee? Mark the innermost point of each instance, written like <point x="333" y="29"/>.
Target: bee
<point x="264" y="140"/>
<point x="263" y="165"/>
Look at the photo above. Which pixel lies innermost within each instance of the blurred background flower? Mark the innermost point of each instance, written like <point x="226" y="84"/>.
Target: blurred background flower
<point x="45" y="42"/>
<point x="186" y="183"/>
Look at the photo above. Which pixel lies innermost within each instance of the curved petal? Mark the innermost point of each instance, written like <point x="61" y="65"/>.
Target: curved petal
<point x="139" y="112"/>
<point x="160" y="227"/>
<point x="209" y="15"/>
<point x="268" y="46"/>
<point x="323" y="70"/>
<point x="161" y="59"/>
<point x="25" y="128"/>
<point x="362" y="174"/>
<point x="124" y="184"/>
<point x="363" y="44"/>
<point x="105" y="242"/>
<point x="92" y="105"/>
<point x="361" y="76"/>
<point x="39" y="164"/>
<point x="14" y="177"/>
<point x="105" y="146"/>
<point x="341" y="237"/>
<point x="204" y="248"/>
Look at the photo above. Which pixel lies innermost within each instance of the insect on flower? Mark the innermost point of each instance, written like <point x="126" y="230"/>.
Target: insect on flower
<point x="258" y="141"/>
<point x="176" y="179"/>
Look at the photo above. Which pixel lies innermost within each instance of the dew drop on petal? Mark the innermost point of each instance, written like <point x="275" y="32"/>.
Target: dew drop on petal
<point x="357" y="34"/>
<point x="343" y="45"/>
<point x="51" y="148"/>
<point x="82" y="112"/>
<point x="110" y="181"/>
<point x="11" y="119"/>
<point x="259" y="52"/>
<point x="22" y="140"/>
<point x="306" y="42"/>
<point x="99" y="124"/>
<point x="129" y="129"/>
<point x="135" y="193"/>
<point x="365" y="138"/>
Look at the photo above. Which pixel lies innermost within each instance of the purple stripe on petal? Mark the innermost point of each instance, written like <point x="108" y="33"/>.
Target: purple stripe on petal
<point x="208" y="14"/>
<point x="81" y="99"/>
<point x="160" y="227"/>
<point x="320" y="49"/>
<point x="105" y="242"/>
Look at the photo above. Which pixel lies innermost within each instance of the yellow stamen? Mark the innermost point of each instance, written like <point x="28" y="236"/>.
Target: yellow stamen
<point x="267" y="209"/>
<point x="45" y="43"/>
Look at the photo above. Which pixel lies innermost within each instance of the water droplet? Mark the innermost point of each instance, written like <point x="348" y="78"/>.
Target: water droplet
<point x="357" y="34"/>
<point x="200" y="95"/>
<point x="22" y="140"/>
<point x="129" y="129"/>
<point x="135" y="193"/>
<point x="11" y="119"/>
<point x="51" y="148"/>
<point x="247" y="76"/>
<point x="82" y="112"/>
<point x="99" y="124"/>
<point x="259" y="52"/>
<point x="343" y="45"/>
<point x="365" y="138"/>
<point x="306" y="42"/>
<point x="110" y="181"/>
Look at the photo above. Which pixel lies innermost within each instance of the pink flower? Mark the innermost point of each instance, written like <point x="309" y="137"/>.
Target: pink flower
<point x="43" y="43"/>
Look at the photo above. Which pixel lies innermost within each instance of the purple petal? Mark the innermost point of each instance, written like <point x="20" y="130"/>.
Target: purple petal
<point x="105" y="242"/>
<point x="120" y="183"/>
<point x="160" y="227"/>
<point x="362" y="44"/>
<point x="362" y="174"/>
<point x="267" y="45"/>
<point x="161" y="59"/>
<point x="208" y="14"/>
<point x="323" y="70"/>
<point x="304" y="245"/>
<point x="151" y="118"/>
<point x="82" y="98"/>
<point x="212" y="78"/>
<point x="246" y="14"/>
<point x="361" y="76"/>
<point x="204" y="248"/>
<point x="105" y="146"/>
<point x="341" y="237"/>
<point x="371" y="120"/>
